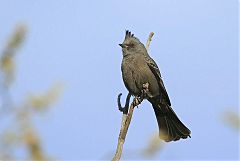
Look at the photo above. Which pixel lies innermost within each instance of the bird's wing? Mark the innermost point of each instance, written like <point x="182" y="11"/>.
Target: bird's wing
<point x="155" y="70"/>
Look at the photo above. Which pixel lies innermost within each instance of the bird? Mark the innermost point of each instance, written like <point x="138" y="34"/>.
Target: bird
<point x="138" y="68"/>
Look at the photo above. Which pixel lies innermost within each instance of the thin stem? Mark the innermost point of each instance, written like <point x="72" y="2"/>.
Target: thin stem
<point x="149" y="40"/>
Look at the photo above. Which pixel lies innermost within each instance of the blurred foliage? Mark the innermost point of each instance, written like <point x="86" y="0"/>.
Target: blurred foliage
<point x="153" y="146"/>
<point x="7" y="64"/>
<point x="41" y="102"/>
<point x="20" y="132"/>
<point x="232" y="119"/>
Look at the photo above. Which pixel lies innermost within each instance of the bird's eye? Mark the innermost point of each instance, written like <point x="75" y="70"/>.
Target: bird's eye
<point x="130" y="45"/>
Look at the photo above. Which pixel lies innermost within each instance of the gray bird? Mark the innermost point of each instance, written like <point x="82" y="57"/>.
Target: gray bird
<point x="138" y="68"/>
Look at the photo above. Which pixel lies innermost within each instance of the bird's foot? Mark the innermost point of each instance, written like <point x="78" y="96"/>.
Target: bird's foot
<point x="145" y="86"/>
<point x="145" y="90"/>
<point x="137" y="100"/>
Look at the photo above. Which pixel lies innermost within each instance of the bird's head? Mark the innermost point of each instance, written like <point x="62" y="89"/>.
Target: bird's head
<point x="132" y="45"/>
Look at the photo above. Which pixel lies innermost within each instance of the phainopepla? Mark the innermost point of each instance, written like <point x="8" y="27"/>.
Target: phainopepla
<point x="138" y="68"/>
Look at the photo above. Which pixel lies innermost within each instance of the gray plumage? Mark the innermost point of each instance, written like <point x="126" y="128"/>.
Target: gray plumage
<point x="139" y="68"/>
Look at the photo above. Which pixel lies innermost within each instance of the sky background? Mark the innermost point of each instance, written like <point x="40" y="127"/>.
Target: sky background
<point x="76" y="42"/>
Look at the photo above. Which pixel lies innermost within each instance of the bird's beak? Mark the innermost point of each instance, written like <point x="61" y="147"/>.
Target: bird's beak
<point x="121" y="45"/>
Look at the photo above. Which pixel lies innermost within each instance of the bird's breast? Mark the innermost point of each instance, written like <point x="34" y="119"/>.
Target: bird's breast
<point x="135" y="73"/>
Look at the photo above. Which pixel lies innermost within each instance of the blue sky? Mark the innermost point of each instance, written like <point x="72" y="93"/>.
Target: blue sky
<point x="76" y="42"/>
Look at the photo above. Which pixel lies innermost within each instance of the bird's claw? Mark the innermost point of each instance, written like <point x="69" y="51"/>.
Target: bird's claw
<point x="145" y="90"/>
<point x="137" y="101"/>
<point x="145" y="86"/>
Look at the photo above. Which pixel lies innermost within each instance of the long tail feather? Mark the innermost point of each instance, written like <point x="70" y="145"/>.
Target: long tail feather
<point x="170" y="127"/>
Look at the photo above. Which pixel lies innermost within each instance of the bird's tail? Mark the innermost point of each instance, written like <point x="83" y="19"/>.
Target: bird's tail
<point x="170" y="127"/>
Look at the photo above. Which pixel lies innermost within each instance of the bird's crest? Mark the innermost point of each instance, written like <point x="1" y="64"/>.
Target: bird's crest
<point x="128" y="34"/>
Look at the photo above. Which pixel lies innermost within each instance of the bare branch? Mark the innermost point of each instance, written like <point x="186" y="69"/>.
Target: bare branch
<point x="149" y="40"/>
<point x="126" y="119"/>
